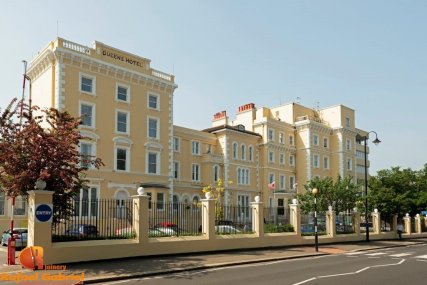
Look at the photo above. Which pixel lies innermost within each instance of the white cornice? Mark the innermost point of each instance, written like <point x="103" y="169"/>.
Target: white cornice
<point x="111" y="67"/>
<point x="40" y="64"/>
<point x="46" y="58"/>
<point x="121" y="185"/>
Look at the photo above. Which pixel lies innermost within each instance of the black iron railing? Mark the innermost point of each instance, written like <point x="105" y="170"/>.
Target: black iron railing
<point x="307" y="223"/>
<point x="387" y="223"/>
<point x="175" y="219"/>
<point x="276" y="220"/>
<point x="93" y="219"/>
<point x="344" y="223"/>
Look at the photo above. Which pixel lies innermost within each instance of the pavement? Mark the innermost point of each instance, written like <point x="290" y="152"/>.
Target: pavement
<point x="121" y="269"/>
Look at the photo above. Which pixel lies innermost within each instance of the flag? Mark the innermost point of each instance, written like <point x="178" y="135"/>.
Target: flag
<point x="272" y="185"/>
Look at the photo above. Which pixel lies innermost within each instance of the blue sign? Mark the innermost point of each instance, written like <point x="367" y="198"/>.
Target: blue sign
<point x="43" y="213"/>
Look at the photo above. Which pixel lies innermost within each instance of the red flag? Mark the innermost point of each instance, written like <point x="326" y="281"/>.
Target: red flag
<point x="272" y="185"/>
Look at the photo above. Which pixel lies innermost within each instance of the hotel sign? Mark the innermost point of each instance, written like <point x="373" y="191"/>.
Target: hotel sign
<point x="122" y="58"/>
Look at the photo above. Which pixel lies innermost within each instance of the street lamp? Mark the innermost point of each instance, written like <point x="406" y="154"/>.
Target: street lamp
<point x="376" y="142"/>
<point x="315" y="191"/>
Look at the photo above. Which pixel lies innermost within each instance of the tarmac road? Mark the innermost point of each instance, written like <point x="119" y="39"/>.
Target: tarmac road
<point x="392" y="266"/>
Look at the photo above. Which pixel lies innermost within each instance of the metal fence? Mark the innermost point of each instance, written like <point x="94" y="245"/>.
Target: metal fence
<point x="93" y="219"/>
<point x="423" y="224"/>
<point x="387" y="223"/>
<point x="175" y="219"/>
<point x="307" y="223"/>
<point x="276" y="215"/>
<point x="363" y="224"/>
<point x="233" y="219"/>
<point x="276" y="220"/>
<point x="413" y="227"/>
<point x="344" y="223"/>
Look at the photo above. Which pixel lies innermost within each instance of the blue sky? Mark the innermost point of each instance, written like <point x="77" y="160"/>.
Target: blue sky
<point x="368" y="55"/>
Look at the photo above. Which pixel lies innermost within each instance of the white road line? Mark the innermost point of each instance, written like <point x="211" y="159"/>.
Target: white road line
<point x="305" y="281"/>
<point x="421" y="256"/>
<point x="348" y="273"/>
<point x="376" y="253"/>
<point x="354" y="253"/>
<point x="402" y="254"/>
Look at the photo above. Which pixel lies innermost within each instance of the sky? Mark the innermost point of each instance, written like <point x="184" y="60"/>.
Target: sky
<point x="368" y="55"/>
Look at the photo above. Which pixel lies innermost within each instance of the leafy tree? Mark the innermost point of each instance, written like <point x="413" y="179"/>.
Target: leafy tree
<point x="399" y="191"/>
<point x="42" y="147"/>
<point x="217" y="193"/>
<point x="341" y="194"/>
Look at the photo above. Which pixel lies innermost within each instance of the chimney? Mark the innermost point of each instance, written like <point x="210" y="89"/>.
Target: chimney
<point x="219" y="115"/>
<point x="220" y="119"/>
<point x="246" y="107"/>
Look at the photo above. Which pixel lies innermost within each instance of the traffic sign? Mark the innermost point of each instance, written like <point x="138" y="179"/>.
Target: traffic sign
<point x="44" y="213"/>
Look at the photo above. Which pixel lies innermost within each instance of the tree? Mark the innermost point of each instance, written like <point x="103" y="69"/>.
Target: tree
<point x="42" y="147"/>
<point x="341" y="194"/>
<point x="216" y="192"/>
<point x="399" y="191"/>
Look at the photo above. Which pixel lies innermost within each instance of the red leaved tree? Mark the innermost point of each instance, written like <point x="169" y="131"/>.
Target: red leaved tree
<point x="42" y="147"/>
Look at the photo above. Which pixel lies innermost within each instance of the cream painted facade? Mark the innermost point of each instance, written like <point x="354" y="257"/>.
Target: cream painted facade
<point x="129" y="120"/>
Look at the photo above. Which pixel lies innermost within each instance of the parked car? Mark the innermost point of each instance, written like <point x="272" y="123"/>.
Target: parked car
<point x="125" y="231"/>
<point x="82" y="230"/>
<point x="226" y="229"/>
<point x="20" y="235"/>
<point x="152" y="232"/>
<point x="155" y="233"/>
<point x="169" y="229"/>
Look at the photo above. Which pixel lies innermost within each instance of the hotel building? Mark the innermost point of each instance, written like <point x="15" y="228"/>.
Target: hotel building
<point x="128" y="120"/>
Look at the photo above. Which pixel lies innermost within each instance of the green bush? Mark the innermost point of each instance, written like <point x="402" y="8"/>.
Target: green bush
<point x="273" y="228"/>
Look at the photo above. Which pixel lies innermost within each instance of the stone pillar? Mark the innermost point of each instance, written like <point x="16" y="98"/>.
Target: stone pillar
<point x="258" y="218"/>
<point x="208" y="218"/>
<point x="356" y="223"/>
<point x="407" y="224"/>
<point x="376" y="222"/>
<point x="39" y="233"/>
<point x="418" y="224"/>
<point x="331" y="227"/>
<point x="140" y="216"/>
<point x="394" y="224"/>
<point x="295" y="217"/>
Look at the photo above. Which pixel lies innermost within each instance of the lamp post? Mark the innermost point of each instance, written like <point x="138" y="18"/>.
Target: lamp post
<point x="376" y="142"/>
<point x="315" y="191"/>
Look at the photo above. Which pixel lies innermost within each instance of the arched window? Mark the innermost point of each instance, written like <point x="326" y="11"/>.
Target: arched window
<point x="251" y="153"/>
<point x="215" y="173"/>
<point x="243" y="152"/>
<point x="234" y="150"/>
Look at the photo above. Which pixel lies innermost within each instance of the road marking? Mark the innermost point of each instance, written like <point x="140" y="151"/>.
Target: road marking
<point x="354" y="253"/>
<point x="376" y="253"/>
<point x="305" y="281"/>
<point x="402" y="254"/>
<point x="349" y="273"/>
<point x="421" y="256"/>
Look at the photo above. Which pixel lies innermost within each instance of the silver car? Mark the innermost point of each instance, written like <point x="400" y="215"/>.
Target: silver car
<point x="20" y="235"/>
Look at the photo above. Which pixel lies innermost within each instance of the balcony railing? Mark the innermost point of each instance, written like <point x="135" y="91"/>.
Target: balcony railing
<point x="76" y="47"/>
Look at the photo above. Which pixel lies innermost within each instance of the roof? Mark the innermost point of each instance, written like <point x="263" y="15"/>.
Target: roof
<point x="233" y="128"/>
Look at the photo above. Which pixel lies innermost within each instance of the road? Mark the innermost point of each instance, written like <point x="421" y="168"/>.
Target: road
<point x="401" y="265"/>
